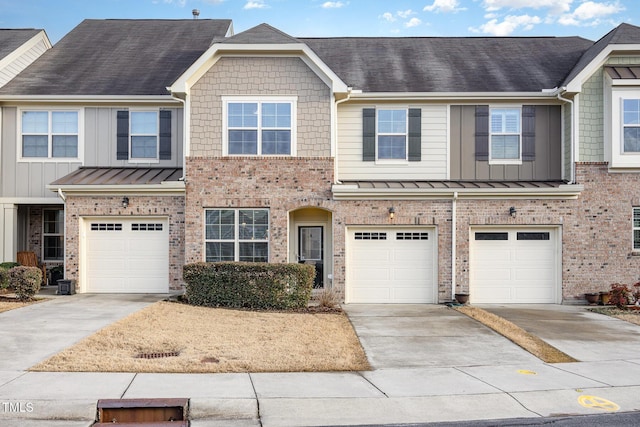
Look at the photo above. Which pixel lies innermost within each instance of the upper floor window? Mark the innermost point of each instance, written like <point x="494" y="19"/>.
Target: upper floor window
<point x="144" y="135"/>
<point x="631" y="125"/>
<point x="392" y="135"/>
<point x="504" y="135"/>
<point x="49" y="134"/>
<point x="259" y="127"/>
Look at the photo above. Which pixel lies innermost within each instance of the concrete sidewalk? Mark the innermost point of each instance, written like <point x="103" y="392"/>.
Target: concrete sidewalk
<point x="431" y="364"/>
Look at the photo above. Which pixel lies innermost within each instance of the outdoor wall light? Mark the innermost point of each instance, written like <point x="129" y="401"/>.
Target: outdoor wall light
<point x="125" y="202"/>
<point x="512" y="211"/>
<point x="392" y="212"/>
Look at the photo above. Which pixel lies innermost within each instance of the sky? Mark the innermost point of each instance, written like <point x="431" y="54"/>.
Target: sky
<point x="590" y="19"/>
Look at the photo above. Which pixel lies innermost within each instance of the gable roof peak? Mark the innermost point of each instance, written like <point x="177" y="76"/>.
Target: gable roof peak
<point x="261" y="34"/>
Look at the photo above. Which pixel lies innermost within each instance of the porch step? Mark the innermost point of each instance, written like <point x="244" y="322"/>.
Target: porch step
<point x="140" y="412"/>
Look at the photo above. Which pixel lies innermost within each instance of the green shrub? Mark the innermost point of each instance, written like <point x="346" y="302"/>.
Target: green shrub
<point x="249" y="285"/>
<point x="25" y="281"/>
<point x="4" y="278"/>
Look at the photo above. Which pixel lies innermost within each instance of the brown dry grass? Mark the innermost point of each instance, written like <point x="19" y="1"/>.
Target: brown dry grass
<point x="631" y="316"/>
<point x="534" y="345"/>
<point x="216" y="340"/>
<point x="9" y="303"/>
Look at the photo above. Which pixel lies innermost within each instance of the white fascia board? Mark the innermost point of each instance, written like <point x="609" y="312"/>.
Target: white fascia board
<point x="575" y="85"/>
<point x="624" y="82"/>
<point x="91" y="99"/>
<point x="31" y="200"/>
<point x="351" y="192"/>
<point x="172" y="187"/>
<point x="23" y="48"/>
<point x="458" y="96"/>
<point x="210" y="57"/>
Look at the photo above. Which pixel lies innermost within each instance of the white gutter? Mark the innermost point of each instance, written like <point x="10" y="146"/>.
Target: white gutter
<point x="61" y="195"/>
<point x="454" y="206"/>
<point x="169" y="187"/>
<point x="89" y="99"/>
<point x="335" y="133"/>
<point x="574" y="139"/>
<point x="452" y="95"/>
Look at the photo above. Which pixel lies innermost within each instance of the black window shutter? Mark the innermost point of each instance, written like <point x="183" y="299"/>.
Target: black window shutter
<point x="482" y="132"/>
<point x="528" y="133"/>
<point x="165" y="134"/>
<point x="368" y="134"/>
<point x="122" y="135"/>
<point x="415" y="137"/>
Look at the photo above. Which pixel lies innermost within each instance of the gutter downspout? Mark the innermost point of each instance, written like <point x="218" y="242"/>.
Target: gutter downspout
<point x="184" y="136"/>
<point x="454" y="205"/>
<point x="335" y="133"/>
<point x="573" y="134"/>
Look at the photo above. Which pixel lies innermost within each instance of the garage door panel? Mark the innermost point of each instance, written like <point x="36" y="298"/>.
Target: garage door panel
<point x="519" y="268"/>
<point x="396" y="269"/>
<point x="126" y="255"/>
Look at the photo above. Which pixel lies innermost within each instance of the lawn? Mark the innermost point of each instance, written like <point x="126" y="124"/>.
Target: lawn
<point x="9" y="303"/>
<point x="630" y="315"/>
<point x="175" y="337"/>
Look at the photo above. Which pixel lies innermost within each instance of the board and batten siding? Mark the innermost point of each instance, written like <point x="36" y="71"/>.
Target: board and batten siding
<point x="548" y="149"/>
<point x="14" y="65"/>
<point x="100" y="139"/>
<point x="433" y="163"/>
<point x="26" y="179"/>
<point x="29" y="178"/>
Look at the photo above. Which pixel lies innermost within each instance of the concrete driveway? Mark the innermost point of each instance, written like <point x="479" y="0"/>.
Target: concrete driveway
<point x="403" y="336"/>
<point x="32" y="334"/>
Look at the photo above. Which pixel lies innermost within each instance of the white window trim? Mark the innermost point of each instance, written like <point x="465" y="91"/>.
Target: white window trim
<point x="517" y="161"/>
<point x="404" y="161"/>
<point x="614" y="125"/>
<point x="44" y="234"/>
<point x="49" y="159"/>
<point x="236" y="232"/>
<point x="136" y="160"/>
<point x="293" y="100"/>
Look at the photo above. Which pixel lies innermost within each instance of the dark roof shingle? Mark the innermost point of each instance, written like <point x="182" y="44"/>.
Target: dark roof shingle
<point x="450" y="64"/>
<point x="11" y="39"/>
<point x="119" y="57"/>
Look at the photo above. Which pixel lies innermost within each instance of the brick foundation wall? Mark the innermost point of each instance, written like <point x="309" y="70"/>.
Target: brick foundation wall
<point x="166" y="206"/>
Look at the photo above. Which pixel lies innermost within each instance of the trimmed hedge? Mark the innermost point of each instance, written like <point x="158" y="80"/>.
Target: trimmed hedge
<point x="4" y="278"/>
<point x="249" y="285"/>
<point x="25" y="281"/>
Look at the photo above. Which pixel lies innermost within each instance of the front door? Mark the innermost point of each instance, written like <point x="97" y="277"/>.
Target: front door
<point x="310" y="250"/>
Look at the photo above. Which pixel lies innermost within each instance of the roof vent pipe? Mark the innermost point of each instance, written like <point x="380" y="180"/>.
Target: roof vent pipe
<point x="195" y="13"/>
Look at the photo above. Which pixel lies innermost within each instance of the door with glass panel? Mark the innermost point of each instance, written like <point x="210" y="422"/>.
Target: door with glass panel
<point x="311" y="250"/>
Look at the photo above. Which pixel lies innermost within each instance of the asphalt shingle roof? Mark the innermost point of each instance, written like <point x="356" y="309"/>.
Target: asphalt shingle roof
<point x="11" y="39"/>
<point x="118" y="57"/>
<point x="450" y="64"/>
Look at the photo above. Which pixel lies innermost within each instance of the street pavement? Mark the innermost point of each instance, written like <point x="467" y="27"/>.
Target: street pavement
<point x="430" y="363"/>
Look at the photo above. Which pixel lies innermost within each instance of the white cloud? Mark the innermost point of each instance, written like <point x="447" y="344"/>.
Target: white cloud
<point x="555" y="6"/>
<point x="255" y="4"/>
<point x="590" y="13"/>
<point x="444" y="6"/>
<point x="413" y="22"/>
<point x="508" y="25"/>
<point x="388" y="16"/>
<point x="405" y="13"/>
<point x="332" y="5"/>
<point x="180" y="3"/>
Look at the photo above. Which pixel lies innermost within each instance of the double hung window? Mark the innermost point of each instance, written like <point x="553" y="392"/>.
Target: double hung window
<point x="49" y="134"/>
<point x="144" y="135"/>
<point x="392" y="135"/>
<point x="505" y="135"/>
<point x="53" y="234"/>
<point x="631" y="125"/>
<point x="237" y="235"/>
<point x="260" y="127"/>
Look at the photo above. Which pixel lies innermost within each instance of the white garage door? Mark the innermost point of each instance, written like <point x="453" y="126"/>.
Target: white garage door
<point x="390" y="265"/>
<point x="126" y="255"/>
<point x="514" y="266"/>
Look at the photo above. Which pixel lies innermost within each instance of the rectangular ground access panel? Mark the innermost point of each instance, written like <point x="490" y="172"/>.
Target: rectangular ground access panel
<point x="140" y="412"/>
